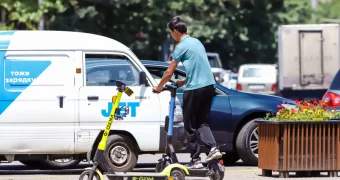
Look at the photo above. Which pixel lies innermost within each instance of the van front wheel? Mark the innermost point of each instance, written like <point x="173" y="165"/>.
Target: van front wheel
<point x="121" y="153"/>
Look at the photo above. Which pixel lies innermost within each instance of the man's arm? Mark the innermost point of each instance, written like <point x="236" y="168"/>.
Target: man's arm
<point x="168" y="73"/>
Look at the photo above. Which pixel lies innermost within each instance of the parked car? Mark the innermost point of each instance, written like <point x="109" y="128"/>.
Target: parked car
<point x="229" y="79"/>
<point x="260" y="78"/>
<point x="332" y="95"/>
<point x="216" y="66"/>
<point x="234" y="80"/>
<point x="232" y="115"/>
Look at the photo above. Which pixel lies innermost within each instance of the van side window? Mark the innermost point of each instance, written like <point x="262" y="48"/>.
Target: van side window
<point x="105" y="70"/>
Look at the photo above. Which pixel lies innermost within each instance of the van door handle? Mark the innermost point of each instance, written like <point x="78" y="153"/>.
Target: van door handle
<point x="61" y="101"/>
<point x="92" y="97"/>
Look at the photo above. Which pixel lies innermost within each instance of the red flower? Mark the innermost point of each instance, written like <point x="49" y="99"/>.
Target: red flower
<point x="293" y="110"/>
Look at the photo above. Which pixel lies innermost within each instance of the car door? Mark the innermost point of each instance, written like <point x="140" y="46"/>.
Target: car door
<point x="139" y="114"/>
<point x="220" y="113"/>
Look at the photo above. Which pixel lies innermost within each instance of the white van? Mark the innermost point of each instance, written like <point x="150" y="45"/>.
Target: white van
<point x="55" y="99"/>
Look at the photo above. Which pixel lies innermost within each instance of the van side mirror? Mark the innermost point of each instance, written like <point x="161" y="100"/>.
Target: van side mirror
<point x="142" y="78"/>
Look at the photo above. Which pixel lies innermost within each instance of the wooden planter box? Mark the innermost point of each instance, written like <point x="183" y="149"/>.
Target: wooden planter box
<point x="306" y="148"/>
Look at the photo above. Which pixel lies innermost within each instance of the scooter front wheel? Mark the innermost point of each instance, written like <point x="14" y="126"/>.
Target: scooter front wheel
<point x="85" y="175"/>
<point x="177" y="174"/>
<point x="217" y="170"/>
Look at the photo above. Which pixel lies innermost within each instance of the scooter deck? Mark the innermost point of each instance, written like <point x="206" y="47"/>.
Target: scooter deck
<point x="136" y="176"/>
<point x="198" y="172"/>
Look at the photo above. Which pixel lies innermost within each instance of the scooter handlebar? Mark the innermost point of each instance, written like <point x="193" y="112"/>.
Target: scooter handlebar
<point x="167" y="87"/>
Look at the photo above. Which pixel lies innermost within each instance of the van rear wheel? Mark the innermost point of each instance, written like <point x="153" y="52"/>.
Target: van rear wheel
<point x="121" y="153"/>
<point x="65" y="163"/>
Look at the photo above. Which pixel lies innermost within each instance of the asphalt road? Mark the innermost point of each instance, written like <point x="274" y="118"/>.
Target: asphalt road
<point x="146" y="163"/>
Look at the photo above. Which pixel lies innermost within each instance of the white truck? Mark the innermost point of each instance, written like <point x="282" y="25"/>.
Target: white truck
<point x="308" y="58"/>
<point x="55" y="99"/>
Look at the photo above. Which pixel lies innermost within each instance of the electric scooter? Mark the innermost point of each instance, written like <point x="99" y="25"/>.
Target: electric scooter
<point x="214" y="170"/>
<point x="101" y="165"/>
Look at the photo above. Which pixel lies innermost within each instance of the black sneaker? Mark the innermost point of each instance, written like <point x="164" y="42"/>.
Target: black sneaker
<point x="195" y="164"/>
<point x="215" y="154"/>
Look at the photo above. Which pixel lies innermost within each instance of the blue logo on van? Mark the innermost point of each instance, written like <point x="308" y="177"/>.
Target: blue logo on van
<point x="124" y="109"/>
<point x="18" y="74"/>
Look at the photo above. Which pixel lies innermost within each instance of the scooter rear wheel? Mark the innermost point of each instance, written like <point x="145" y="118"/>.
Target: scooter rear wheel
<point x="218" y="170"/>
<point x="87" y="174"/>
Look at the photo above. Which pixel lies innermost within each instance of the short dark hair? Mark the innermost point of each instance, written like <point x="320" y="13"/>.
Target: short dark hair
<point x="177" y="24"/>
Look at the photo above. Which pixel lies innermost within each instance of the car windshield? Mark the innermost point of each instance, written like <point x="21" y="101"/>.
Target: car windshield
<point x="336" y="82"/>
<point x="258" y="72"/>
<point x="213" y="61"/>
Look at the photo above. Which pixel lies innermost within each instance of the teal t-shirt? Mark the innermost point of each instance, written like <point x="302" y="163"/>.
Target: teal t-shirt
<point x="191" y="52"/>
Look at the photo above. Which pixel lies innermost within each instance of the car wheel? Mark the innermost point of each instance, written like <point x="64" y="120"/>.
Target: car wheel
<point x="247" y="143"/>
<point x="121" y="153"/>
<point x="65" y="163"/>
<point x="230" y="158"/>
<point x="35" y="164"/>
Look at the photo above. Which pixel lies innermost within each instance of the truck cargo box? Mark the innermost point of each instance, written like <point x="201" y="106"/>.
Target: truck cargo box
<point x="308" y="56"/>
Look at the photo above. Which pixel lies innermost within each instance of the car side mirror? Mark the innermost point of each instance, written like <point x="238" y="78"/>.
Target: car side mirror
<point x="142" y="78"/>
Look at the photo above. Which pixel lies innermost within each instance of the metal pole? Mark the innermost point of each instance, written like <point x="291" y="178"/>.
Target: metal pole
<point x="41" y="23"/>
<point x="314" y="5"/>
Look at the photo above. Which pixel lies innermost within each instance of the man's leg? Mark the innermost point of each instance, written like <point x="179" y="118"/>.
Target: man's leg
<point x="190" y="129"/>
<point x="205" y="96"/>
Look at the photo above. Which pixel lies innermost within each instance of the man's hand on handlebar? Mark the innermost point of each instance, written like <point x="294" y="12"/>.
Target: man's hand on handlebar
<point x="157" y="89"/>
<point x="180" y="83"/>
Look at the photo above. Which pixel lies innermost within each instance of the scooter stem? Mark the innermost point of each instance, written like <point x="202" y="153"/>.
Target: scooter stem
<point x="169" y="149"/>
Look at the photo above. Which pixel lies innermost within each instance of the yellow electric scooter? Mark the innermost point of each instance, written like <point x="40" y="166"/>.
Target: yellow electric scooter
<point x="101" y="165"/>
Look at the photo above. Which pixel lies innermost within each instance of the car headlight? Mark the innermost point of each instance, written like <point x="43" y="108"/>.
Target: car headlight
<point x="178" y="113"/>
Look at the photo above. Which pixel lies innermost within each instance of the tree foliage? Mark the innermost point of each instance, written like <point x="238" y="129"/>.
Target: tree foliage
<point x="241" y="31"/>
<point x="26" y="14"/>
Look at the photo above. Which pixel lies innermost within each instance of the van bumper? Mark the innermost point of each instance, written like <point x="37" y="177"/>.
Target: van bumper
<point x="179" y="140"/>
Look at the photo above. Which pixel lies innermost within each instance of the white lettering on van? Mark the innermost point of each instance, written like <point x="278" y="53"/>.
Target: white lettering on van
<point x="21" y="73"/>
<point x="19" y="80"/>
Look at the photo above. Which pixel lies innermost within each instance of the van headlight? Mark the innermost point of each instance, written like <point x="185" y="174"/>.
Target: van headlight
<point x="178" y="113"/>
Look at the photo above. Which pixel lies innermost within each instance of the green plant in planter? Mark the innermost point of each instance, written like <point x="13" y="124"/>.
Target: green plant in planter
<point x="304" y="111"/>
